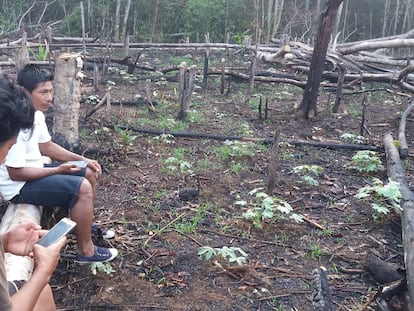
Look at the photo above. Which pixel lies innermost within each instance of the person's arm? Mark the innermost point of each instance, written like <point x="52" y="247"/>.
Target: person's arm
<point x="46" y="260"/>
<point x="34" y="173"/>
<point x="21" y="241"/>
<point x="59" y="153"/>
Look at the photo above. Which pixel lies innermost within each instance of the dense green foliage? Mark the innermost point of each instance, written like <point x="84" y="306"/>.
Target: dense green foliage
<point x="175" y="20"/>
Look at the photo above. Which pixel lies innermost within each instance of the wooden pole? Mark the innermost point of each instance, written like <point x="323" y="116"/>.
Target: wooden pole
<point x="274" y="162"/>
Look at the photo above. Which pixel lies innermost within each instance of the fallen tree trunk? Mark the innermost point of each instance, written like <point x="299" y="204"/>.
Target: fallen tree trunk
<point x="267" y="141"/>
<point x="397" y="174"/>
<point x="401" y="132"/>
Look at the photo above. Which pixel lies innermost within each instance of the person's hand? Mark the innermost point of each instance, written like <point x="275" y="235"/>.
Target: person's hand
<point x="21" y="238"/>
<point x="47" y="258"/>
<point x="67" y="168"/>
<point x="95" y="167"/>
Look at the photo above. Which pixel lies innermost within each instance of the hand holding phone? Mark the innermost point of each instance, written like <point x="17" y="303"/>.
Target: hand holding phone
<point x="58" y="231"/>
<point x="81" y="163"/>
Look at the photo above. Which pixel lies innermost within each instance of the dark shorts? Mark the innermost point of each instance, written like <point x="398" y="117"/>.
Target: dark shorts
<point x="52" y="191"/>
<point x="14" y="286"/>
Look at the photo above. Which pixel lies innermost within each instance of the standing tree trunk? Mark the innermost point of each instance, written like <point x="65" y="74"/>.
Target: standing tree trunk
<point x="67" y="101"/>
<point x="126" y="15"/>
<point x="270" y="5"/>
<point x="117" y="19"/>
<point x="308" y="106"/>
<point x="386" y="10"/>
<point x="154" y="21"/>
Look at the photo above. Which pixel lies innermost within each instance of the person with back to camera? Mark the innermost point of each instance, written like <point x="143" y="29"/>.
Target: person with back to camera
<point x="25" y="179"/>
<point x="16" y="112"/>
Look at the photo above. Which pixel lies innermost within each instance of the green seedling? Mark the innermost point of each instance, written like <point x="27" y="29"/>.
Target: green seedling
<point x="126" y="139"/>
<point x="356" y="139"/>
<point x="365" y="161"/>
<point x="101" y="267"/>
<point x="382" y="197"/>
<point x="41" y="54"/>
<point x="264" y="207"/>
<point x="174" y="164"/>
<point x="230" y="254"/>
<point x="308" y="172"/>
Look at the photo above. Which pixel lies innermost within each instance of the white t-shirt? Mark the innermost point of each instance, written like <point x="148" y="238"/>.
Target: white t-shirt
<point x="25" y="153"/>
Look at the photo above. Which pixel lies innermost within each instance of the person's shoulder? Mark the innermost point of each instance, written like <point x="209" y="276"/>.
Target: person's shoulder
<point x="39" y="115"/>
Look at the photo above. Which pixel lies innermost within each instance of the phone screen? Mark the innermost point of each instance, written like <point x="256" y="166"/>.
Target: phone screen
<point x="80" y="163"/>
<point x="58" y="231"/>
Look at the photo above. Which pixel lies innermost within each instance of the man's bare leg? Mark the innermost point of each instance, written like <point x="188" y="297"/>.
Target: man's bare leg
<point x="46" y="301"/>
<point x="82" y="214"/>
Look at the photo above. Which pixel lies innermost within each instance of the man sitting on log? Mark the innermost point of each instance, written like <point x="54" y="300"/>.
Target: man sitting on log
<point x="25" y="179"/>
<point x="16" y="112"/>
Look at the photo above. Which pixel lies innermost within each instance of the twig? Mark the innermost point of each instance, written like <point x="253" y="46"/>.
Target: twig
<point x="312" y="222"/>
<point x="97" y="106"/>
<point x="186" y="235"/>
<point x="162" y="229"/>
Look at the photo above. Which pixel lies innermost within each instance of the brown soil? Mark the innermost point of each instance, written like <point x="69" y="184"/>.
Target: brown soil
<point x="159" y="235"/>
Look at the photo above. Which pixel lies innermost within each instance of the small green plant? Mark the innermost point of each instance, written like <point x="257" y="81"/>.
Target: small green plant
<point x="102" y="267"/>
<point x="41" y="54"/>
<point x="110" y="84"/>
<point x="356" y="139"/>
<point x="235" y="150"/>
<point x="316" y="252"/>
<point x="174" y="164"/>
<point x="306" y="172"/>
<point x="230" y="254"/>
<point x="92" y="100"/>
<point x="164" y="138"/>
<point x="265" y="207"/>
<point x="365" y="161"/>
<point x="127" y="139"/>
<point x="382" y="197"/>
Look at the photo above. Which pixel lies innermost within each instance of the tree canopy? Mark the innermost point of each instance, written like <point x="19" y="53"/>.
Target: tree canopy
<point x="175" y="20"/>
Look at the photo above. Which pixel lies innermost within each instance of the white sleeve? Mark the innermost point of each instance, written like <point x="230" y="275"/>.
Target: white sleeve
<point x="41" y="126"/>
<point x="16" y="157"/>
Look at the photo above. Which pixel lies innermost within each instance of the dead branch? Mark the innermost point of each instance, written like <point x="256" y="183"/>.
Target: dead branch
<point x="396" y="173"/>
<point x="401" y="133"/>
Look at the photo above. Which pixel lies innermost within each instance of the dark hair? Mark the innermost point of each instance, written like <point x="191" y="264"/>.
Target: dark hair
<point x="31" y="75"/>
<point x="16" y="110"/>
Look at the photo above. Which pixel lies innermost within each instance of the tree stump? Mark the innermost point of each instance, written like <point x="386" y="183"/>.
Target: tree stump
<point x="22" y="57"/>
<point x="185" y="89"/>
<point x="67" y="98"/>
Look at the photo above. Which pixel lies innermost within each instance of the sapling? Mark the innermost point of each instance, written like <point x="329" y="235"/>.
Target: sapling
<point x="231" y="254"/>
<point x="381" y="196"/>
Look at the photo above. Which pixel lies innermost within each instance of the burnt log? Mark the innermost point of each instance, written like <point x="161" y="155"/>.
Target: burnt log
<point x="396" y="173"/>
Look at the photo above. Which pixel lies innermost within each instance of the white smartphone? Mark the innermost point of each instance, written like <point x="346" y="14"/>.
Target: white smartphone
<point x="80" y="163"/>
<point x="58" y="231"/>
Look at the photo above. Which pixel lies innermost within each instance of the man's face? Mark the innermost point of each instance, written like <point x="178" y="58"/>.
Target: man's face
<point x="42" y="96"/>
<point x="4" y="148"/>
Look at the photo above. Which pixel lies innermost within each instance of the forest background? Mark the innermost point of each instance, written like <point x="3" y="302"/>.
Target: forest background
<point x="224" y="20"/>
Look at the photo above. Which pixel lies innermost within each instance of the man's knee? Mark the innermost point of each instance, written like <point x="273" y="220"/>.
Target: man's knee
<point x="90" y="176"/>
<point x="85" y="188"/>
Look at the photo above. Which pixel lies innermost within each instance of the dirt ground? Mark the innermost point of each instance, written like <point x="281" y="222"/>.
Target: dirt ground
<point x="159" y="234"/>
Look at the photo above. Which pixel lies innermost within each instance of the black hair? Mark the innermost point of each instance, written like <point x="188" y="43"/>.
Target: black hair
<point x="16" y="110"/>
<point x="31" y="75"/>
